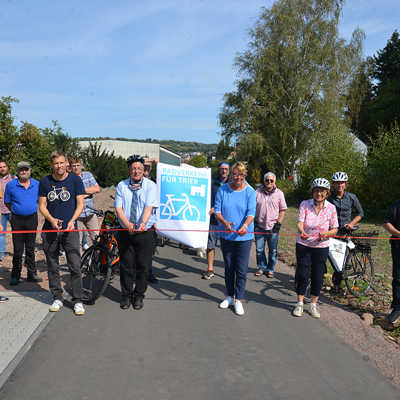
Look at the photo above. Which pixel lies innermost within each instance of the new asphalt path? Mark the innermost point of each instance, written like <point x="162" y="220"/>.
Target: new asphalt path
<point x="182" y="346"/>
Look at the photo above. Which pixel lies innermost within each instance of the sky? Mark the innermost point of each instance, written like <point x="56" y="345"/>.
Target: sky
<point x="141" y="69"/>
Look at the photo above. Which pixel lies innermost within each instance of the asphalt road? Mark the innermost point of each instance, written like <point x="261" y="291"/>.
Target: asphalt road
<point x="181" y="346"/>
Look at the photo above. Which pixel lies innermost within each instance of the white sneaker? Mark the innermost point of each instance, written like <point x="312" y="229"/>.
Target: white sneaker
<point x="78" y="309"/>
<point x="239" y="310"/>
<point x="314" y="311"/>
<point x="226" y="303"/>
<point x="56" y="306"/>
<point x="298" y="310"/>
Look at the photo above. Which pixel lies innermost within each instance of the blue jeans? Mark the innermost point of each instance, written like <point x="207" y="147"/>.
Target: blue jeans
<point x="4" y="219"/>
<point x="236" y="258"/>
<point x="272" y="240"/>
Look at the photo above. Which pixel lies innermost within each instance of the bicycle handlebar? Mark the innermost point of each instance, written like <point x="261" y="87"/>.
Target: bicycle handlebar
<point x="99" y="213"/>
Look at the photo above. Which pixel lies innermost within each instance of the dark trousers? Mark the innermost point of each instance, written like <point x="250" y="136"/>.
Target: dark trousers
<point x="396" y="277"/>
<point x="23" y="240"/>
<point x="236" y="259"/>
<point x="310" y="263"/>
<point x="136" y="252"/>
<point x="51" y="247"/>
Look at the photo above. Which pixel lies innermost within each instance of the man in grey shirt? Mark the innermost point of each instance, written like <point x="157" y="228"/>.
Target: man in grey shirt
<point x="346" y="203"/>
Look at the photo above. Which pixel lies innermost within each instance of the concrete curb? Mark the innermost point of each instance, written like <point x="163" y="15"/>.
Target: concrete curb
<point x="24" y="319"/>
<point x="6" y="373"/>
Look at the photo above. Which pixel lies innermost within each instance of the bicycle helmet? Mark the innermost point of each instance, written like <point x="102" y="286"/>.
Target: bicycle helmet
<point x="321" y="183"/>
<point x="134" y="158"/>
<point x="340" y="177"/>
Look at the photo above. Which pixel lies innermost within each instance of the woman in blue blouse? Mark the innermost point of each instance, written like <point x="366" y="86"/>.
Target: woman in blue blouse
<point x="235" y="208"/>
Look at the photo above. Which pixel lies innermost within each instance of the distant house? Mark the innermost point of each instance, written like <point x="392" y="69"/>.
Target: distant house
<point x="150" y="151"/>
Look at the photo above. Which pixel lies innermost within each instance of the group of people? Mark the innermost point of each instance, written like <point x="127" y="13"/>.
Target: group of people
<point x="238" y="216"/>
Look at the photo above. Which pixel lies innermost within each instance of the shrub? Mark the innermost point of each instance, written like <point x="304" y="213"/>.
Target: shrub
<point x="381" y="185"/>
<point x="332" y="152"/>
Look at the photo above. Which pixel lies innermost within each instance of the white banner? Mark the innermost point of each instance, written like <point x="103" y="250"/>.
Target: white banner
<point x="185" y="196"/>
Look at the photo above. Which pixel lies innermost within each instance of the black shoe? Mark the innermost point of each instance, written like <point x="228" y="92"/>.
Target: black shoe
<point x="14" y="281"/>
<point x="152" y="279"/>
<point x="138" y="302"/>
<point x="125" y="303"/>
<point x="337" y="291"/>
<point x="394" y="317"/>
<point x="34" y="278"/>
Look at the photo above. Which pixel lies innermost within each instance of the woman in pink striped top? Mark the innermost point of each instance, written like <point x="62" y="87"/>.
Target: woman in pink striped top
<point x="317" y="221"/>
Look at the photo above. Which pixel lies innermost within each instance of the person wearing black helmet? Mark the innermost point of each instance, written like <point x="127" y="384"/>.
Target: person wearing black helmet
<point x="135" y="201"/>
<point x="349" y="213"/>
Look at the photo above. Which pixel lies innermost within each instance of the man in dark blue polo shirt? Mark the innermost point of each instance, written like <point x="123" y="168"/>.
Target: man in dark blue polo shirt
<point x="61" y="197"/>
<point x="21" y="198"/>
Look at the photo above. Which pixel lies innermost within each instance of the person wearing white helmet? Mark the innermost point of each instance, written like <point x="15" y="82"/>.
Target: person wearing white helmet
<point x="349" y="213"/>
<point x="316" y="222"/>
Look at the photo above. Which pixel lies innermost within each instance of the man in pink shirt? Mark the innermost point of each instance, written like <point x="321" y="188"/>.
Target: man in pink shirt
<point x="5" y="177"/>
<point x="270" y="212"/>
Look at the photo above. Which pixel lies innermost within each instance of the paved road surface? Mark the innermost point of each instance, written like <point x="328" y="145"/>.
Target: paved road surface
<point x="181" y="346"/>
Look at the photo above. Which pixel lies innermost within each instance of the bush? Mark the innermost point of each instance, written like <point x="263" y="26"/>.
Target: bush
<point x="106" y="168"/>
<point x="332" y="152"/>
<point x="381" y="185"/>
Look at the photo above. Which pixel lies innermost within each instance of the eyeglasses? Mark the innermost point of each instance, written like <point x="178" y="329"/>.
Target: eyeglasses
<point x="269" y="181"/>
<point x="137" y="169"/>
<point x="238" y="175"/>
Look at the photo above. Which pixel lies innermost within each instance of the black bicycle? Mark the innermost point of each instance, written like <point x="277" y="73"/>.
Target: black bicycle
<point x="101" y="260"/>
<point x="353" y="258"/>
<point x="359" y="271"/>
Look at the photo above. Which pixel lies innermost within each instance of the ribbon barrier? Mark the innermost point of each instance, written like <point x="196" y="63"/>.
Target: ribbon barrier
<point x="165" y="231"/>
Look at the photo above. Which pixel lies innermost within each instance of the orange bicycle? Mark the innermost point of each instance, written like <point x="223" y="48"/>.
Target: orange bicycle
<point x="101" y="260"/>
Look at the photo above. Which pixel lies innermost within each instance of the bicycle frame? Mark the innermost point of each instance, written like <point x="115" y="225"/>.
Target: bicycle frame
<point x="170" y="202"/>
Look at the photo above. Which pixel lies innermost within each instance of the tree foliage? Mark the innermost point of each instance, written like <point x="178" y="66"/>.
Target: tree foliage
<point x="198" y="161"/>
<point x="327" y="157"/>
<point x="294" y="76"/>
<point x="381" y="180"/>
<point x="377" y="90"/>
<point x="8" y="129"/>
<point x="105" y="166"/>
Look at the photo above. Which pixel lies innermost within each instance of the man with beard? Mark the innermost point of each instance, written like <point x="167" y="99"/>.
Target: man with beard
<point x="21" y="198"/>
<point x="61" y="198"/>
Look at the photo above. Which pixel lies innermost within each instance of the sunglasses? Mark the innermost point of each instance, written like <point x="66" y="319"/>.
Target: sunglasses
<point x="269" y="181"/>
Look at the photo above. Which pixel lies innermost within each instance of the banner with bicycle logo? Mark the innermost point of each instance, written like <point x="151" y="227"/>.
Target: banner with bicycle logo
<point x="184" y="203"/>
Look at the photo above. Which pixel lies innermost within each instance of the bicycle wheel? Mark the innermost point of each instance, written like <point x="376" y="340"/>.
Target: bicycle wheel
<point x="96" y="273"/>
<point x="191" y="213"/>
<point x="359" y="273"/>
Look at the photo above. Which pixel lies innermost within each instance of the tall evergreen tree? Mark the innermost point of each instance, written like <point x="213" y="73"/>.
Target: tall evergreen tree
<point x="380" y="93"/>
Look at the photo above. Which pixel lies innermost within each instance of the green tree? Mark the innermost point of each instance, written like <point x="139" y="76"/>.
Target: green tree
<point x="327" y="157"/>
<point x="58" y="139"/>
<point x="377" y="89"/>
<point x="34" y="147"/>
<point x="381" y="181"/>
<point x="107" y="169"/>
<point x="8" y="129"/>
<point x="295" y="75"/>
<point x="198" y="161"/>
